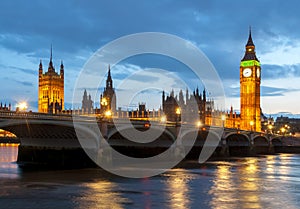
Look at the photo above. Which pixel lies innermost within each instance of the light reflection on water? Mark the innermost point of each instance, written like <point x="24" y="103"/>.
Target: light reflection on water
<point x="260" y="182"/>
<point x="178" y="189"/>
<point x="8" y="158"/>
<point x="256" y="183"/>
<point x="100" y="194"/>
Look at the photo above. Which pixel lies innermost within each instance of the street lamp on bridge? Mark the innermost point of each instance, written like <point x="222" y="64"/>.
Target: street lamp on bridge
<point x="199" y="124"/>
<point x="270" y="127"/>
<point x="282" y="130"/>
<point x="178" y="112"/>
<point x="223" y="118"/>
<point x="108" y="113"/>
<point x="22" y="106"/>
<point x="163" y="119"/>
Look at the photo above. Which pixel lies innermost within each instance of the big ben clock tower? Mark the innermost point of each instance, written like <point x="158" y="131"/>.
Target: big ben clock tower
<point x="250" y="89"/>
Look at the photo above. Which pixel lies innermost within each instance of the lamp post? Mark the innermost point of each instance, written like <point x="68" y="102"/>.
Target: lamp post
<point x="178" y="112"/>
<point x="103" y="106"/>
<point x="199" y="124"/>
<point x="163" y="119"/>
<point x="282" y="130"/>
<point x="104" y="101"/>
<point x="223" y="118"/>
<point x="108" y="113"/>
<point x="22" y="106"/>
<point x="270" y="127"/>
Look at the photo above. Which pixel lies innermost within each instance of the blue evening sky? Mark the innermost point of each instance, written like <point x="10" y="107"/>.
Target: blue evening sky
<point x="77" y="29"/>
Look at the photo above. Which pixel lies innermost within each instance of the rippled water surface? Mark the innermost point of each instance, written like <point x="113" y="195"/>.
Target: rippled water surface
<point x="258" y="182"/>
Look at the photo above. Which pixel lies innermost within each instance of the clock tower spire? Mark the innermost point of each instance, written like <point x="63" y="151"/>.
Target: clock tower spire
<point x="250" y="88"/>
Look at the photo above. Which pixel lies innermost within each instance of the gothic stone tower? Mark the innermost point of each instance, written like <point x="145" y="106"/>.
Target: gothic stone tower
<point x="51" y="89"/>
<point x="250" y="89"/>
<point x="108" y="98"/>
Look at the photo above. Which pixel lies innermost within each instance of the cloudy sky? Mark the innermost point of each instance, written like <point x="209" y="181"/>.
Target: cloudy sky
<point x="77" y="29"/>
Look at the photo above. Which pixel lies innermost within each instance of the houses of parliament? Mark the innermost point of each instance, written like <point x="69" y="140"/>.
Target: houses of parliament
<point x="51" y="97"/>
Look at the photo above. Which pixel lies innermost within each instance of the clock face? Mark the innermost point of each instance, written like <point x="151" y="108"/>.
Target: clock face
<point x="247" y="72"/>
<point x="258" y="72"/>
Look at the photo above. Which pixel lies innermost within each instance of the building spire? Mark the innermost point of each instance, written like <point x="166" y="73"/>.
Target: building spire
<point x="40" y="68"/>
<point x="51" y="53"/>
<point x="109" y="76"/>
<point x="109" y="83"/>
<point x="50" y="67"/>
<point x="250" y="49"/>
<point x="250" y="41"/>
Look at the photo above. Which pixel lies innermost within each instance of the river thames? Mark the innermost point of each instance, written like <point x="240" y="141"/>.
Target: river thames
<point x="271" y="181"/>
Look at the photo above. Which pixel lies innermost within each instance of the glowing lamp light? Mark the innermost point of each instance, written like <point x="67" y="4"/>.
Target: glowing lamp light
<point x="22" y="106"/>
<point x="163" y="119"/>
<point x="199" y="124"/>
<point x="178" y="111"/>
<point x="104" y="101"/>
<point x="108" y="113"/>
<point x="223" y="117"/>
<point x="147" y="125"/>
<point x="251" y="123"/>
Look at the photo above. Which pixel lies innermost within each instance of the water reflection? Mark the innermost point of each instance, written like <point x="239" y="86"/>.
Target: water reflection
<point x="236" y="185"/>
<point x="8" y="158"/>
<point x="279" y="181"/>
<point x="254" y="183"/>
<point x="260" y="182"/>
<point x="99" y="194"/>
<point x="178" y="189"/>
<point x="223" y="190"/>
<point x="249" y="184"/>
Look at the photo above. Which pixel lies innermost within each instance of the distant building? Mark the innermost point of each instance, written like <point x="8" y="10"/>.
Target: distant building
<point x="5" y="107"/>
<point x="250" y="80"/>
<point x="250" y="117"/>
<point x="286" y="124"/>
<point x="87" y="104"/>
<point x="108" y="97"/>
<point x="174" y="107"/>
<point x="51" y="89"/>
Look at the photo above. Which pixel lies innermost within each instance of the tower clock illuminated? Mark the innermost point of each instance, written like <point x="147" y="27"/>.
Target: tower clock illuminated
<point x="250" y="77"/>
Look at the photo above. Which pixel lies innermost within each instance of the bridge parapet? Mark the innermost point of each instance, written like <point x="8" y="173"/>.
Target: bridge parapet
<point x="32" y="115"/>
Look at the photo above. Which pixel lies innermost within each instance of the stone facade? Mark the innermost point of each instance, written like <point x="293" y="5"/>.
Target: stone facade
<point x="51" y="89"/>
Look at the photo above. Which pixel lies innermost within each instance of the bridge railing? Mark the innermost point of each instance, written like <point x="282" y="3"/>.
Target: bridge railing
<point x="32" y="115"/>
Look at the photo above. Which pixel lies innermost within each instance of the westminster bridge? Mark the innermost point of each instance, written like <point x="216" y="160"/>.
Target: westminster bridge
<point x="53" y="139"/>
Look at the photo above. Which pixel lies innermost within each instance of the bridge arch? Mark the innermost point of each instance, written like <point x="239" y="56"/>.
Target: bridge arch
<point x="276" y="141"/>
<point x="260" y="140"/>
<point x="235" y="139"/>
<point x="140" y="150"/>
<point x="201" y="136"/>
<point x="235" y="134"/>
<point x="238" y="144"/>
<point x="6" y="133"/>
